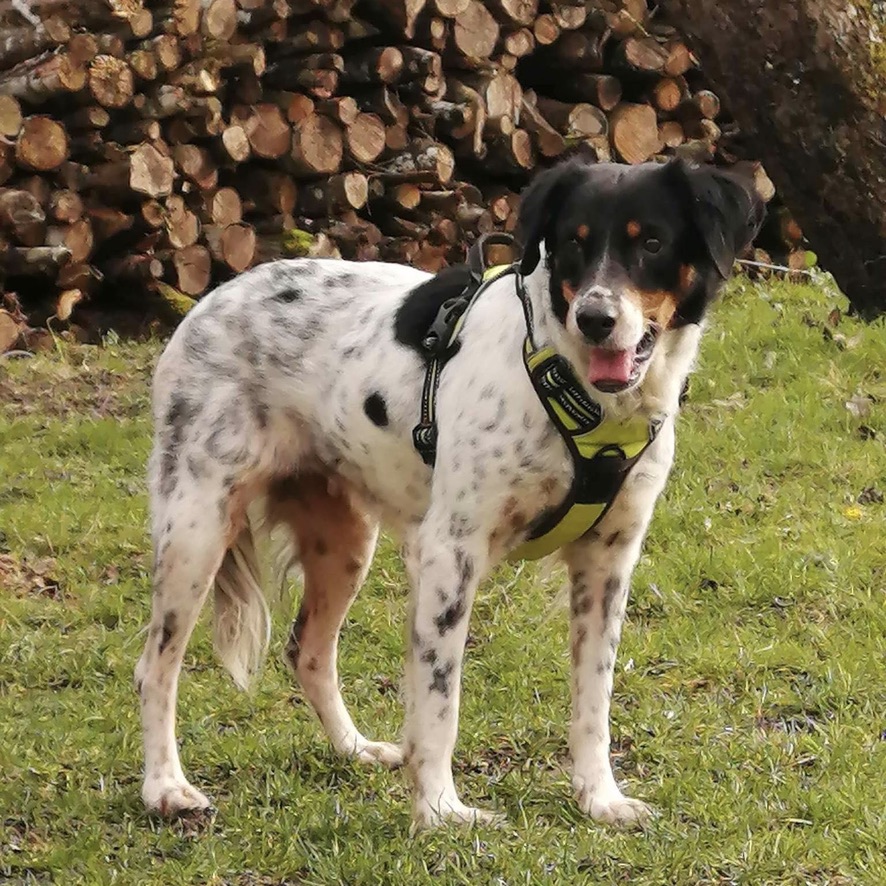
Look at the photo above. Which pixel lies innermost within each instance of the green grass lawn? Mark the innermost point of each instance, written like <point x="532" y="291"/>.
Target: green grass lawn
<point x="750" y="689"/>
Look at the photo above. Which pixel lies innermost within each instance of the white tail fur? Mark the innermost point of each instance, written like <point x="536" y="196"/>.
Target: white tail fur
<point x="241" y="622"/>
<point x="242" y="619"/>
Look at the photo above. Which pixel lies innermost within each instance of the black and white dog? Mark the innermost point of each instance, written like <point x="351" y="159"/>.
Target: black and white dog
<point x="297" y="386"/>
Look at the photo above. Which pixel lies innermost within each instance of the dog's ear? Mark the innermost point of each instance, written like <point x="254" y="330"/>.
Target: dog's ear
<point x="726" y="209"/>
<point x="540" y="201"/>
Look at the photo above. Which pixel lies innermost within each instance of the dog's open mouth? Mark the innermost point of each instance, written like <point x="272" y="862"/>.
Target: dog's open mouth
<point x="612" y="371"/>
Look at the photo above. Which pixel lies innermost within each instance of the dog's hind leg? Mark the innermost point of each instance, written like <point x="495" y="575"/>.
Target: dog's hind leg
<point x="336" y="540"/>
<point x="190" y="542"/>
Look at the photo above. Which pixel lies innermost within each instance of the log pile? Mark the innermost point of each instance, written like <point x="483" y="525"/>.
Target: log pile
<point x="154" y="143"/>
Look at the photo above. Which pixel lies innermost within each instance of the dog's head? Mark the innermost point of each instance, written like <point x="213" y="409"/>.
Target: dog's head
<point x="633" y="251"/>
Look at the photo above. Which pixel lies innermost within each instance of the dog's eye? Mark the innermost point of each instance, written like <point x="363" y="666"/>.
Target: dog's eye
<point x="652" y="245"/>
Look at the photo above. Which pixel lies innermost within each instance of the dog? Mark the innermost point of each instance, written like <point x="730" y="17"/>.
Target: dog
<point x="295" y="389"/>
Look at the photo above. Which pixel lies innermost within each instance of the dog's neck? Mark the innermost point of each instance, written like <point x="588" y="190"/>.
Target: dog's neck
<point x="658" y="394"/>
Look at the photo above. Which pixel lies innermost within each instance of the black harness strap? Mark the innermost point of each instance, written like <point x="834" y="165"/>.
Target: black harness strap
<point x="600" y="465"/>
<point x="441" y="342"/>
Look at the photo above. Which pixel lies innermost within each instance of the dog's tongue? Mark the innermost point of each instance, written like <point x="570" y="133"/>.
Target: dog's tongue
<point x="605" y="365"/>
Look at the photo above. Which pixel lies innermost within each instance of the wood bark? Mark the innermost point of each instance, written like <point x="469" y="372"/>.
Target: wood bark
<point x="172" y="143"/>
<point x="805" y="83"/>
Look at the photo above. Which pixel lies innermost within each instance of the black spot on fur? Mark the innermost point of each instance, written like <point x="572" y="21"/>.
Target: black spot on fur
<point x="441" y="679"/>
<point x="376" y="409"/>
<point x="168" y="630"/>
<point x="580" y="636"/>
<point x="465" y="566"/>
<point x="420" y="307"/>
<point x="450" y="616"/>
<point x="610" y="591"/>
<point x="582" y="601"/>
<point x="460" y="524"/>
<point x="179" y="416"/>
<point x="228" y="429"/>
<point x="249" y="349"/>
<point x="613" y="539"/>
<point x="196" y="468"/>
<point x="288" y="295"/>
<point x="497" y="418"/>
<point x="293" y="646"/>
<point x="261" y="412"/>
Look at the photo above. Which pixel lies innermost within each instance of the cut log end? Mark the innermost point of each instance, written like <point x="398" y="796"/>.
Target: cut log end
<point x="42" y="144"/>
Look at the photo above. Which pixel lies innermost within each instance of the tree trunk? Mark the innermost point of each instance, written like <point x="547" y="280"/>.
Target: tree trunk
<point x="806" y="80"/>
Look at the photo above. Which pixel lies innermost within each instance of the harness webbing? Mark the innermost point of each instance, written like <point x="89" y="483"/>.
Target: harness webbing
<point x="603" y="452"/>
<point x="441" y="342"/>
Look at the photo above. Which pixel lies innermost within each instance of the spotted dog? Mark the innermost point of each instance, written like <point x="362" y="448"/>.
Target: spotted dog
<point x="295" y="389"/>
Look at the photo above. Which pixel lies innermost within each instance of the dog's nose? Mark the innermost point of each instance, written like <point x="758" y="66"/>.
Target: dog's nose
<point x="595" y="322"/>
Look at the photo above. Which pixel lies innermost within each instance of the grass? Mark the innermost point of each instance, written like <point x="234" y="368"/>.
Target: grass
<point x="750" y="702"/>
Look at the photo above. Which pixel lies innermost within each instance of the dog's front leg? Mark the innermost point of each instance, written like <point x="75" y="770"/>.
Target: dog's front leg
<point x="444" y="573"/>
<point x="600" y="568"/>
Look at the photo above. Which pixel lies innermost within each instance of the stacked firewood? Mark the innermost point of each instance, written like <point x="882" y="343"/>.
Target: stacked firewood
<point x="154" y="143"/>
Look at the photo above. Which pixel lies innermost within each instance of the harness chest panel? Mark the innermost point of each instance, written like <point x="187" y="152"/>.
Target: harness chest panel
<point x="603" y="451"/>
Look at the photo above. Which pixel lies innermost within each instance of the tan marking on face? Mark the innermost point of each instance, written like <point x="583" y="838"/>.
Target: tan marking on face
<point x="568" y="293"/>
<point x="582" y="232"/>
<point x="633" y="229"/>
<point x="657" y="305"/>
<point x="688" y="276"/>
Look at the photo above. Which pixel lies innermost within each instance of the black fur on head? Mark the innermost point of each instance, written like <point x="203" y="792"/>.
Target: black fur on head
<point x="539" y="203"/>
<point x="671" y="229"/>
<point x="726" y="209"/>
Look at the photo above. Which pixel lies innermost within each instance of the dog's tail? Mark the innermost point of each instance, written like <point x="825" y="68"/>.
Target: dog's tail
<point x="241" y="622"/>
<point x="242" y="617"/>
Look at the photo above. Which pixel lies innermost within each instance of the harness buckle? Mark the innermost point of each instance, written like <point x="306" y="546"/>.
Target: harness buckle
<point x="437" y="341"/>
<point x="424" y="439"/>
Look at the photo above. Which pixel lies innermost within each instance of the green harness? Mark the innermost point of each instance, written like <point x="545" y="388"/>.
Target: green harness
<point x="603" y="451"/>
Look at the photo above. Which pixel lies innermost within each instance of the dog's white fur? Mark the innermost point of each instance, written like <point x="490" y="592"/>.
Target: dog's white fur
<point x="267" y="378"/>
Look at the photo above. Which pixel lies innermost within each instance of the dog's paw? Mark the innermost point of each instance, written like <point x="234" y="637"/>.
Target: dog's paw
<point x="426" y="816"/>
<point x="170" y="797"/>
<point x="381" y="753"/>
<point x="612" y="807"/>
